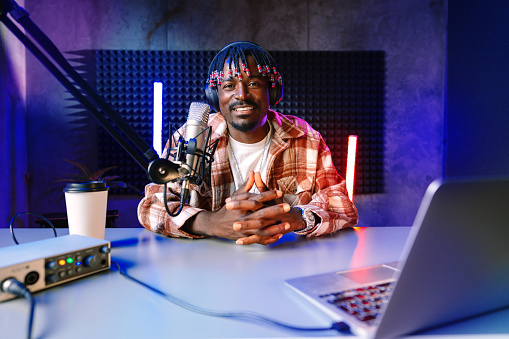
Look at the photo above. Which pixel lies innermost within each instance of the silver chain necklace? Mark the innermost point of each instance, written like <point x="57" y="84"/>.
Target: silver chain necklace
<point x="265" y="154"/>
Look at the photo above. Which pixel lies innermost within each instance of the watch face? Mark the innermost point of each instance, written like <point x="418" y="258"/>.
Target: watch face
<point x="309" y="217"/>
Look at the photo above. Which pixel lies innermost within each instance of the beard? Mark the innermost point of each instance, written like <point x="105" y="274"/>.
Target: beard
<point x="246" y="125"/>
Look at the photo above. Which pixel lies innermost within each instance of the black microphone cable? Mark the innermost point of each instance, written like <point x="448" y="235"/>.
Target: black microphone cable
<point x="11" y="225"/>
<point x="340" y="327"/>
<point x="14" y="287"/>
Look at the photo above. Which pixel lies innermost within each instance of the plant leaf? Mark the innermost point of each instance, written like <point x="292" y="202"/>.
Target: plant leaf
<point x="110" y="178"/>
<point x="82" y="167"/>
<point x="99" y="174"/>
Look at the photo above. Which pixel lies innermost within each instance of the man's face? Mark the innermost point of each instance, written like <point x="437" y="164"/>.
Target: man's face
<point x="244" y="104"/>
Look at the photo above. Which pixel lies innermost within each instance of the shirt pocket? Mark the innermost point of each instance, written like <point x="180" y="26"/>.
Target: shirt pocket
<point x="295" y="193"/>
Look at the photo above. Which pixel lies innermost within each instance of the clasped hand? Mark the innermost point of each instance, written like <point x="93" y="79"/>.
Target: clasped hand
<point x="249" y="218"/>
<point x="260" y="217"/>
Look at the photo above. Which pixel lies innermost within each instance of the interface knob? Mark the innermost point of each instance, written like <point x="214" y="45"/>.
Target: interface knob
<point x="91" y="261"/>
<point x="52" y="278"/>
<point x="105" y="249"/>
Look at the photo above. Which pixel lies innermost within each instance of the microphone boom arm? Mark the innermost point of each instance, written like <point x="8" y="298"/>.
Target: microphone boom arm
<point x="159" y="171"/>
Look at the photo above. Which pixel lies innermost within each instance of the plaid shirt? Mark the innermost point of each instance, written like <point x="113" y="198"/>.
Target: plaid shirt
<point x="299" y="164"/>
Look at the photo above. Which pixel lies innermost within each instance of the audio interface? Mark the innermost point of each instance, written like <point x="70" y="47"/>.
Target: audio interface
<point x="46" y="263"/>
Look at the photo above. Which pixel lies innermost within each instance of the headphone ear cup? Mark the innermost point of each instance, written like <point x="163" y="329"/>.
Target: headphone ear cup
<point x="276" y="94"/>
<point x="212" y="97"/>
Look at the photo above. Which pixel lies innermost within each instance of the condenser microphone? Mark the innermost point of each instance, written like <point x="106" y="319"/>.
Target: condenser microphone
<point x="195" y="138"/>
<point x="195" y="146"/>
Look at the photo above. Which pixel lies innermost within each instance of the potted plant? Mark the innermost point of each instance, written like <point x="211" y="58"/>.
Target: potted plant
<point x="85" y="174"/>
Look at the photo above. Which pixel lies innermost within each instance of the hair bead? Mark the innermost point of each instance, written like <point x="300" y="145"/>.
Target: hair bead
<point x="239" y="51"/>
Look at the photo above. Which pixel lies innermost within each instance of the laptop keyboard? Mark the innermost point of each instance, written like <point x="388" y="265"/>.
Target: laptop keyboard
<point x="362" y="303"/>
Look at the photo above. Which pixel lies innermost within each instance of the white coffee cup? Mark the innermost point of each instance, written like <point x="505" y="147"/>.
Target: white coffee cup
<point x="86" y="204"/>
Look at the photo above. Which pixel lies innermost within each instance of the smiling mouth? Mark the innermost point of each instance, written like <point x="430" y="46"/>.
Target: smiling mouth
<point x="244" y="110"/>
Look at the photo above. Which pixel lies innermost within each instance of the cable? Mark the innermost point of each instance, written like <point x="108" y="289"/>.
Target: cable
<point x="181" y="206"/>
<point x="16" y="288"/>
<point x="30" y="213"/>
<point x="338" y="326"/>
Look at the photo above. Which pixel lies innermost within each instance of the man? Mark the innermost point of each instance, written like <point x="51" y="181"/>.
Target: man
<point x="272" y="174"/>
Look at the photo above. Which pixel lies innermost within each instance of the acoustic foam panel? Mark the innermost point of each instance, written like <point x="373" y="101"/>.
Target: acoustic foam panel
<point x="338" y="93"/>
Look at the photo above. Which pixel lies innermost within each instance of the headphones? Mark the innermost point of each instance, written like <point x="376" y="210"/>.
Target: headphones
<point x="275" y="93"/>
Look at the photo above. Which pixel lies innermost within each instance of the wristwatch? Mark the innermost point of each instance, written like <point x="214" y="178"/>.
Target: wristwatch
<point x="308" y="217"/>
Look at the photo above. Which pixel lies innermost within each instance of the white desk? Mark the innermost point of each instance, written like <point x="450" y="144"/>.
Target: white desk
<point x="209" y="273"/>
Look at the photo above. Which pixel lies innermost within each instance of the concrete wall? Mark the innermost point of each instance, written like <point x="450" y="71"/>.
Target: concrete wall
<point x="13" y="124"/>
<point x="411" y="32"/>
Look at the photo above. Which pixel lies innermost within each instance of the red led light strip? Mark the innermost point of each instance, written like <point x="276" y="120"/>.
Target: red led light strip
<point x="350" y="164"/>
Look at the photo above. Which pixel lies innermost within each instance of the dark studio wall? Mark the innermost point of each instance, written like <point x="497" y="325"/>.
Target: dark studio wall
<point x="412" y="33"/>
<point x="477" y="106"/>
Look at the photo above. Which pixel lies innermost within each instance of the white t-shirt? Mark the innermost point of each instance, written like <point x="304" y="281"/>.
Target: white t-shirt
<point x="250" y="157"/>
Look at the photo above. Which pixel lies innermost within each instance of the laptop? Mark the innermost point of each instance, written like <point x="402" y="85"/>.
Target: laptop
<point x="454" y="265"/>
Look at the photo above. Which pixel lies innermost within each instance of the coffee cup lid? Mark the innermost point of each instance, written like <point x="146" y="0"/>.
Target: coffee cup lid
<point x="87" y="186"/>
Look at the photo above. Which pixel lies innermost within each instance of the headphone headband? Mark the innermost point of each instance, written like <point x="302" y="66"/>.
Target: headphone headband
<point x="275" y="92"/>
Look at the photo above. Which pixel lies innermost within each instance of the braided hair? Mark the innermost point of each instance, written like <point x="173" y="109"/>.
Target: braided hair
<point x="239" y="51"/>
